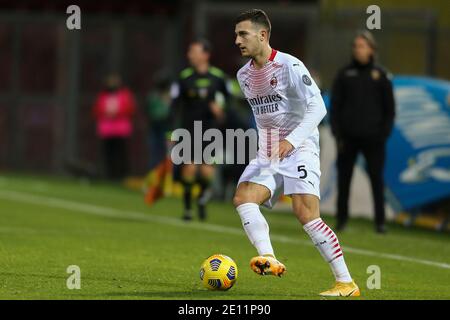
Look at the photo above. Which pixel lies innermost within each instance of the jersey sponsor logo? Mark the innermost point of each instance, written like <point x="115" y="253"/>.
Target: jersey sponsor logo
<point x="259" y="100"/>
<point x="264" y="104"/>
<point x="258" y="110"/>
<point x="306" y="80"/>
<point x="203" y="93"/>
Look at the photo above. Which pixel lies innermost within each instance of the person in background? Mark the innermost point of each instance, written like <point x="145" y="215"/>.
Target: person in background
<point x="113" y="111"/>
<point x="362" y="117"/>
<point x="158" y="107"/>
<point x="199" y="94"/>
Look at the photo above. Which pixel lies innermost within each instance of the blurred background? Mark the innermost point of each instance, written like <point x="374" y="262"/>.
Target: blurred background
<point x="50" y="78"/>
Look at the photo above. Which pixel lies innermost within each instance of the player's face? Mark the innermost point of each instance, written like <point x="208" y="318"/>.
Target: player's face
<point x="197" y="55"/>
<point x="247" y="38"/>
<point x="362" y="50"/>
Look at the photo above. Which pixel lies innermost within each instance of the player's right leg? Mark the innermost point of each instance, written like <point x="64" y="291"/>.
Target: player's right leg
<point x="249" y="196"/>
<point x="188" y="175"/>
<point x="206" y="175"/>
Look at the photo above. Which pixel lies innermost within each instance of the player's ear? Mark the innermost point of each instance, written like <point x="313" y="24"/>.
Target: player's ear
<point x="262" y="35"/>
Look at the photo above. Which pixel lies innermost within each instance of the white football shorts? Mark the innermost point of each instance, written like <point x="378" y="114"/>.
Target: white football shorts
<point x="299" y="173"/>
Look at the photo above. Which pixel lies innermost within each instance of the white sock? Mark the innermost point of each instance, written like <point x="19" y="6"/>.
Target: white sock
<point x="328" y="245"/>
<point x="256" y="227"/>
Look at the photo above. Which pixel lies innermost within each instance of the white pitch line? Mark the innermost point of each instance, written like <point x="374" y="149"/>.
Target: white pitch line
<point x="136" y="215"/>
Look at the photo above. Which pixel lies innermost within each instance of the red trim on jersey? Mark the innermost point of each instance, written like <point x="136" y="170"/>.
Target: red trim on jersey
<point x="272" y="56"/>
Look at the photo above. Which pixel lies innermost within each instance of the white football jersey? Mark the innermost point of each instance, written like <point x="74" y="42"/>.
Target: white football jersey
<point x="277" y="94"/>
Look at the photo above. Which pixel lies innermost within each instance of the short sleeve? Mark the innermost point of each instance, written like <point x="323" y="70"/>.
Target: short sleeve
<point x="301" y="80"/>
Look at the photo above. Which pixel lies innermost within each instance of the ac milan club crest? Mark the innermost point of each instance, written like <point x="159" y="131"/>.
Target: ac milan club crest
<point x="273" y="81"/>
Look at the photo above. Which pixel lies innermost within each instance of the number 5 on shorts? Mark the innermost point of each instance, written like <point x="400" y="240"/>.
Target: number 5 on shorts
<point x="303" y="172"/>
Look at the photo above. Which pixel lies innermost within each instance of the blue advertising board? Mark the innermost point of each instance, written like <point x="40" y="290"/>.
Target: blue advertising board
<point x="417" y="167"/>
<point x="417" y="170"/>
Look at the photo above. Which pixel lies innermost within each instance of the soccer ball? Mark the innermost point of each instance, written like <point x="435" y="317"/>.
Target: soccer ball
<point x="218" y="272"/>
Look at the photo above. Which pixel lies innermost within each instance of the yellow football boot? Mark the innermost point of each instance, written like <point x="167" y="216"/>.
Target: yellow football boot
<point x="342" y="289"/>
<point x="267" y="265"/>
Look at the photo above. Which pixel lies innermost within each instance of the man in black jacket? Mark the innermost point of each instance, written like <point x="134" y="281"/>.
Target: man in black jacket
<point x="362" y="116"/>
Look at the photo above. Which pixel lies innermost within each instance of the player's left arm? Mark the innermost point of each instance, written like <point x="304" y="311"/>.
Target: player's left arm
<point x="315" y="109"/>
<point x="314" y="113"/>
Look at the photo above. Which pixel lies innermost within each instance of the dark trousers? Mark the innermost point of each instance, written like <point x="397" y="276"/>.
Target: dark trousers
<point x="115" y="158"/>
<point x="374" y="153"/>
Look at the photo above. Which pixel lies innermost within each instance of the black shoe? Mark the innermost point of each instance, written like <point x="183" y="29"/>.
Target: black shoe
<point x="187" y="216"/>
<point x="381" y="229"/>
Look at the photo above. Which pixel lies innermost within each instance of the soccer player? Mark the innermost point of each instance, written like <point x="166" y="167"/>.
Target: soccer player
<point x="199" y="94"/>
<point x="287" y="107"/>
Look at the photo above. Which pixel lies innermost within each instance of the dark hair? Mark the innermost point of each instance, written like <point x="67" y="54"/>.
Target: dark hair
<point x="256" y="16"/>
<point x="206" y="45"/>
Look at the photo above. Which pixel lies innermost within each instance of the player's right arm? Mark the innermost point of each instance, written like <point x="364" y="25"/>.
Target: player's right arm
<point x="221" y="96"/>
<point x="177" y="96"/>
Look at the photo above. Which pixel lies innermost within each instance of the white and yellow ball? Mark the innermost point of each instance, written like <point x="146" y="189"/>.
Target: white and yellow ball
<point x="218" y="272"/>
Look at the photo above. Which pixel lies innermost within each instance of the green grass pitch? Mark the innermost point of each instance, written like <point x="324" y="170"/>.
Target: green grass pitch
<point x="126" y="250"/>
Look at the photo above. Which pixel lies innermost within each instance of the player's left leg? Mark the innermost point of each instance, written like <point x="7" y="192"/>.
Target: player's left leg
<point x="306" y="208"/>
<point x="207" y="172"/>
<point x="374" y="152"/>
